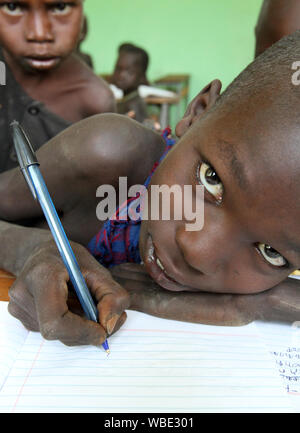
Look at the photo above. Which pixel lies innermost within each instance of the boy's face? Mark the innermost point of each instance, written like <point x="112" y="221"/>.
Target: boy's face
<point x="127" y="74"/>
<point x="251" y="240"/>
<point x="38" y="34"/>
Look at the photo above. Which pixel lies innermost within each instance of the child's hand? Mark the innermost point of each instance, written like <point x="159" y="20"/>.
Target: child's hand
<point x="39" y="298"/>
<point x="278" y="303"/>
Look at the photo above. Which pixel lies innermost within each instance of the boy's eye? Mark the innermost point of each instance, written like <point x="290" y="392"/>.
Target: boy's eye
<point x="11" y="8"/>
<point x="272" y="256"/>
<point x="208" y="177"/>
<point x="61" y="8"/>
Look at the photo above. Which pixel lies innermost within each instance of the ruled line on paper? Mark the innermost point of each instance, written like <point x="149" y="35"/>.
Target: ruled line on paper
<point x="27" y="376"/>
<point x="12" y="338"/>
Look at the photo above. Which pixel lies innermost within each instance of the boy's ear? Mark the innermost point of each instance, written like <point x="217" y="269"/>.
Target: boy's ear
<point x="199" y="105"/>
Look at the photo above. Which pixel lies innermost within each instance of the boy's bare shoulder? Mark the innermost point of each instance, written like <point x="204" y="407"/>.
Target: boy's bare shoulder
<point x="97" y="96"/>
<point x="93" y="91"/>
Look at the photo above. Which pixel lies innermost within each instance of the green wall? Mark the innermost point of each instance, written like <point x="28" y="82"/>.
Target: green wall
<point x="206" y="38"/>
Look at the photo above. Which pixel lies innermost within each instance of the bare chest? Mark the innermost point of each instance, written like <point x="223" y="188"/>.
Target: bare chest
<point x="61" y="99"/>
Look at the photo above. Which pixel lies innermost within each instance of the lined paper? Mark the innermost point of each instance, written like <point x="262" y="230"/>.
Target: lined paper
<point x="155" y="365"/>
<point x="283" y="343"/>
<point x="12" y="338"/>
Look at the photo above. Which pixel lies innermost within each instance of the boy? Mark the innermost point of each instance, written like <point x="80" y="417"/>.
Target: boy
<point x="129" y="73"/>
<point x="242" y="147"/>
<point x="277" y="18"/>
<point x="47" y="87"/>
<point x="131" y="68"/>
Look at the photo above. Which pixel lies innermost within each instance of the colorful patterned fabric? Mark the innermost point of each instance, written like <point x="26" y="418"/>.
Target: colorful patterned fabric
<point x="118" y="240"/>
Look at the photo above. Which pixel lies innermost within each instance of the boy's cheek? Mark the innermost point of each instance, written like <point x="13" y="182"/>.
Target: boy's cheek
<point x="8" y="39"/>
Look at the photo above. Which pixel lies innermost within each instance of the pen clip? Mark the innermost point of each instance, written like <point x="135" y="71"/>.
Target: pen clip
<point x="25" y="153"/>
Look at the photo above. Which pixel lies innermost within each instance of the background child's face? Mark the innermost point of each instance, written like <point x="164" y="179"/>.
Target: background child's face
<point x="39" y="34"/>
<point x="127" y="74"/>
<point x="249" y="242"/>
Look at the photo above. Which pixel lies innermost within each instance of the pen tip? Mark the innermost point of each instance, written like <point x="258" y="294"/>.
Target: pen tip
<point x="107" y="352"/>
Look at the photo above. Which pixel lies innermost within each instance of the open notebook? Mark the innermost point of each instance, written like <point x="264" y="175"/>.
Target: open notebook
<point x="155" y="365"/>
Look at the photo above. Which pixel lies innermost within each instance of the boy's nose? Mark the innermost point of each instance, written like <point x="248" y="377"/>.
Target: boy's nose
<point x="39" y="28"/>
<point x="211" y="249"/>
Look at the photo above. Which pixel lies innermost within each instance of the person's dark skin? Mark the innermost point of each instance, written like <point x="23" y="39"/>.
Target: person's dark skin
<point x="277" y="19"/>
<point x="128" y="73"/>
<point x="222" y="276"/>
<point x="38" y="38"/>
<point x="84" y="56"/>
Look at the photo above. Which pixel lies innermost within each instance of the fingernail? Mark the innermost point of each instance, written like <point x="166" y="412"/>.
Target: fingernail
<point x="110" y="326"/>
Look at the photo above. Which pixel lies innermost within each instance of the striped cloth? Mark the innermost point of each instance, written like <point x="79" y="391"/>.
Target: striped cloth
<point x="118" y="240"/>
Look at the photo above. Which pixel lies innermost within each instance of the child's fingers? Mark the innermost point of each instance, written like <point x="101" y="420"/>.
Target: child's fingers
<point x="41" y="300"/>
<point x="55" y="320"/>
<point x="29" y="322"/>
<point x="112" y="299"/>
<point x="21" y="305"/>
<point x="73" y="330"/>
<point x="120" y="322"/>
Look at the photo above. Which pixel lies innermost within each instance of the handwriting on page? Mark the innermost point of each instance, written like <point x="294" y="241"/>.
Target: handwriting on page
<point x="283" y="342"/>
<point x="288" y="363"/>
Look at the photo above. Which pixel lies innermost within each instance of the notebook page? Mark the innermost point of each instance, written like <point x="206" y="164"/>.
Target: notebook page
<point x="12" y="338"/>
<point x="283" y="343"/>
<point x="155" y="365"/>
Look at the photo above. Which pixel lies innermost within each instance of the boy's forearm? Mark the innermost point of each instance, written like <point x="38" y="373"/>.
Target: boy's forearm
<point x="17" y="243"/>
<point x="283" y="302"/>
<point x="205" y="308"/>
<point x="280" y="303"/>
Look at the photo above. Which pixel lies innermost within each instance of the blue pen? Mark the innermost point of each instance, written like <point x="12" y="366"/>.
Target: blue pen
<point x="30" y="168"/>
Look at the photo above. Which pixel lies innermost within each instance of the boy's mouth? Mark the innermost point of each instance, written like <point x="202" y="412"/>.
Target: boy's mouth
<point x="42" y="63"/>
<point x="156" y="269"/>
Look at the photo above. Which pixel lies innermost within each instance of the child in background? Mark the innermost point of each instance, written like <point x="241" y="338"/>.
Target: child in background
<point x="243" y="147"/>
<point x="131" y="68"/>
<point x="129" y="73"/>
<point x="277" y="18"/>
<point x="47" y="86"/>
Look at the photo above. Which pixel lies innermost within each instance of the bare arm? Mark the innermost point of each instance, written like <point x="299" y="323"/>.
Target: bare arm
<point x="75" y="163"/>
<point x="17" y="244"/>
<point x="281" y="303"/>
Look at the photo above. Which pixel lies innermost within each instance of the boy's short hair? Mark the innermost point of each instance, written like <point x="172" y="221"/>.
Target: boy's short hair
<point x="140" y="53"/>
